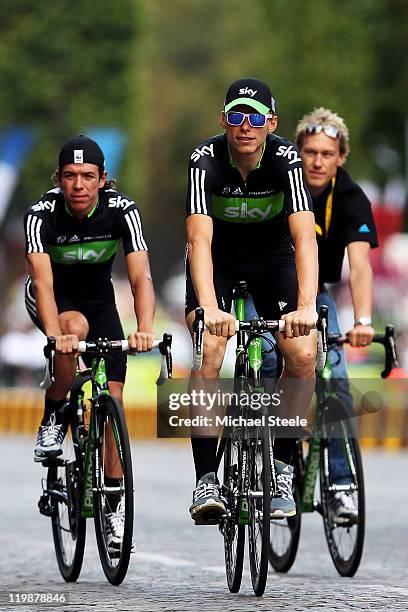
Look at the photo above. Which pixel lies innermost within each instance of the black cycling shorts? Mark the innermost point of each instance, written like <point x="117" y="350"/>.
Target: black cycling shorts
<point x="103" y="320"/>
<point x="271" y="281"/>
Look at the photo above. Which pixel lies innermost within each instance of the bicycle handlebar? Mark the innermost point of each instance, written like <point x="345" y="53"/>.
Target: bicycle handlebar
<point x="387" y="339"/>
<point x="260" y="326"/>
<point x="105" y="346"/>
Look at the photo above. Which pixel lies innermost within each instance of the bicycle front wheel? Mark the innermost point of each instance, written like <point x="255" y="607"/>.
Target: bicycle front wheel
<point x="259" y="507"/>
<point x="64" y="482"/>
<point x="234" y="533"/>
<point x="112" y="459"/>
<point x="345" y="537"/>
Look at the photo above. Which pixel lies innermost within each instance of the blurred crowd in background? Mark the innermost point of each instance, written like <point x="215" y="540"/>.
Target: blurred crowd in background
<point x="146" y="78"/>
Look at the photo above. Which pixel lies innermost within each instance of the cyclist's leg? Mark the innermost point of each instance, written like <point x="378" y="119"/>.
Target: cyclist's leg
<point x="339" y="468"/>
<point x="206" y="496"/>
<point x="269" y="358"/>
<point x="52" y="429"/>
<point x="204" y="448"/>
<point x="104" y="322"/>
<point x="271" y="301"/>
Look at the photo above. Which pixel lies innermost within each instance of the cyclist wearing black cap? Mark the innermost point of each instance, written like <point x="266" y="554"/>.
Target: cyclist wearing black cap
<point x="72" y="234"/>
<point x="250" y="216"/>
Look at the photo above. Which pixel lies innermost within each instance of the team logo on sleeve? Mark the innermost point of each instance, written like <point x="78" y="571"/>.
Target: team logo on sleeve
<point x="206" y="150"/>
<point x="44" y="205"/>
<point x="290" y="153"/>
<point x="120" y="202"/>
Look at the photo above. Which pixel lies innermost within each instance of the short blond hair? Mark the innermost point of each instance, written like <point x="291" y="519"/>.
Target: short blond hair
<point x="323" y="116"/>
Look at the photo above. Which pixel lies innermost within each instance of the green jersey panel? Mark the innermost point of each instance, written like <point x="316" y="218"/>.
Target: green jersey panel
<point x="91" y="252"/>
<point x="247" y="210"/>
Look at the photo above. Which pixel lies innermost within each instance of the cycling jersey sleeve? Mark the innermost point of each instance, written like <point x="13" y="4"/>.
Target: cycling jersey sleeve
<point x="200" y="187"/>
<point x="35" y="232"/>
<point x="297" y="196"/>
<point x="130" y="228"/>
<point x="358" y="220"/>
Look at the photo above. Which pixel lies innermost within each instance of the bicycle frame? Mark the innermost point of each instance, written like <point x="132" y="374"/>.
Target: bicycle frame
<point x="244" y="371"/>
<point x="99" y="387"/>
<point x="308" y="503"/>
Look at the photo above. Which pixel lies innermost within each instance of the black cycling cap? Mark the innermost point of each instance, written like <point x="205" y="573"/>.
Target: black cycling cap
<point x="81" y="150"/>
<point x="251" y="92"/>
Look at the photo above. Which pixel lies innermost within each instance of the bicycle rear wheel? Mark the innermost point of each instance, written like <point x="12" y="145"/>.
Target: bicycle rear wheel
<point x="259" y="507"/>
<point x="64" y="482"/>
<point x="345" y="538"/>
<point x="285" y="533"/>
<point x="234" y="534"/>
<point x="112" y="453"/>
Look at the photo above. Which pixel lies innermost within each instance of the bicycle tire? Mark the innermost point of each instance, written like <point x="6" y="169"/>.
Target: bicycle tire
<point x="234" y="534"/>
<point x="346" y="563"/>
<point x="285" y="533"/>
<point x="66" y="518"/>
<point x="109" y="416"/>
<point x="259" y="508"/>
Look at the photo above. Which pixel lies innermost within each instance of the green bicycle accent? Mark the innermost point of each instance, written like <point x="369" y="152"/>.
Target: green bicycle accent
<point x="100" y="375"/>
<point x="91" y="252"/>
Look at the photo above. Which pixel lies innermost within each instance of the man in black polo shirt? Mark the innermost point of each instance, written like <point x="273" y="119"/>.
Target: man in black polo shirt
<point x="344" y="220"/>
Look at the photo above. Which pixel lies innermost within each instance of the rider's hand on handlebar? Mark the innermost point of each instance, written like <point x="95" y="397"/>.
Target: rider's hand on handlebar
<point x="299" y="322"/>
<point x="140" y="342"/>
<point x="67" y="344"/>
<point x="361" y="335"/>
<point x="219" y="323"/>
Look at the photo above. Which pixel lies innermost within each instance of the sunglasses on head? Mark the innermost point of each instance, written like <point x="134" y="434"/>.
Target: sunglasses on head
<point x="255" y="120"/>
<point x="329" y="130"/>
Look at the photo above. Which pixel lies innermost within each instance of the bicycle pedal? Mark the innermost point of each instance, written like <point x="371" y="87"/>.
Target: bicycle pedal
<point x="208" y="522"/>
<point x="53" y="462"/>
<point x="44" y="505"/>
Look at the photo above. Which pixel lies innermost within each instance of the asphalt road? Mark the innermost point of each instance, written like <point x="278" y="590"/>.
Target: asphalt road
<point x="179" y="566"/>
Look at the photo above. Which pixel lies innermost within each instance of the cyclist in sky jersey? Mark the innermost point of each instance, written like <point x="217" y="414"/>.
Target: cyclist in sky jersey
<point x="249" y="216"/>
<point x="72" y="235"/>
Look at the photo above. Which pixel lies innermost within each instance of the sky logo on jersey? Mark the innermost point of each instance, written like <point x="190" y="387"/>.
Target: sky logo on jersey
<point x="120" y="202"/>
<point x="91" y="253"/>
<point x="248" y="210"/>
<point x="46" y="205"/>
<point x="255" y="214"/>
<point x="246" y="90"/>
<point x="363" y="229"/>
<point x="206" y="150"/>
<point x="290" y="153"/>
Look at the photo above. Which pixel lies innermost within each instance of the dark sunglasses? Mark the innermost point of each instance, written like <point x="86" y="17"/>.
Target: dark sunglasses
<point x="256" y="120"/>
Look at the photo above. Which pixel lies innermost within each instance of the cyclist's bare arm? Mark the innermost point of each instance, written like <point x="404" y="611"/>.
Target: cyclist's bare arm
<point x="199" y="236"/>
<point x="361" y="288"/>
<point x="39" y="267"/>
<point x="302" y="229"/>
<point x="144" y="300"/>
<point x="40" y="270"/>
